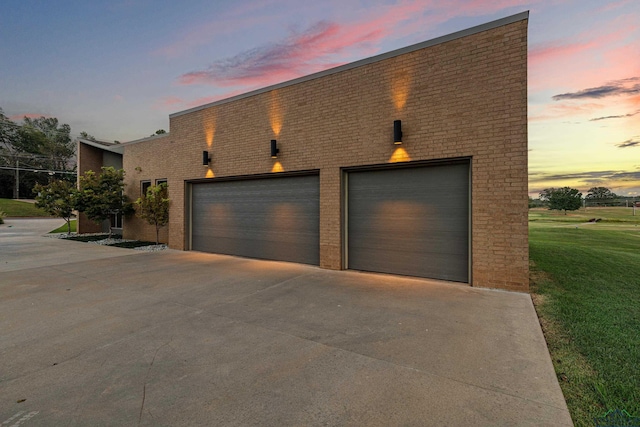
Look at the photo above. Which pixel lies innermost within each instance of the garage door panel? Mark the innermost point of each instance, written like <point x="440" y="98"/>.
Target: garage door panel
<point x="439" y="266"/>
<point x="276" y="218"/>
<point x="433" y="246"/>
<point x="412" y="221"/>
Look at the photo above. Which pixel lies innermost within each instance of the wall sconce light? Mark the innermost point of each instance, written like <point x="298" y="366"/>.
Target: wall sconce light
<point x="397" y="132"/>
<point x="274" y="149"/>
<point x="205" y="158"/>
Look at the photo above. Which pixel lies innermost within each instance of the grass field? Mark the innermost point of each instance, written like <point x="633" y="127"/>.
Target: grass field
<point x="63" y="228"/>
<point x="586" y="287"/>
<point x="606" y="215"/>
<point x="16" y="208"/>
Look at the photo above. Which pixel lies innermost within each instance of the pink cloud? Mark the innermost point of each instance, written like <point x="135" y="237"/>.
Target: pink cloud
<point x="541" y="54"/>
<point x="322" y="45"/>
<point x="299" y="54"/>
<point x="171" y="101"/>
<point x="628" y="86"/>
<point x="168" y="103"/>
<point x="17" y="117"/>
<point x="557" y="111"/>
<point x="328" y="44"/>
<point x="544" y="53"/>
<point x="436" y="12"/>
<point x="613" y="5"/>
<point x="608" y="51"/>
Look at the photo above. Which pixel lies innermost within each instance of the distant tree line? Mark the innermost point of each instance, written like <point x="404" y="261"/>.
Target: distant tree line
<point x="32" y="153"/>
<point x="570" y="199"/>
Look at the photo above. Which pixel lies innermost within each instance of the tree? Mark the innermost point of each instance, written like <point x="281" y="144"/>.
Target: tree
<point x="55" y="141"/>
<point x="58" y="198"/>
<point x="565" y="198"/>
<point x="85" y="135"/>
<point x="535" y="203"/>
<point x="601" y="195"/>
<point x="101" y="196"/>
<point x="153" y="207"/>
<point x="32" y="151"/>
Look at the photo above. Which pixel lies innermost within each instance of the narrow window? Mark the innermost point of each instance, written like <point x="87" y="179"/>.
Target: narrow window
<point x="144" y="185"/>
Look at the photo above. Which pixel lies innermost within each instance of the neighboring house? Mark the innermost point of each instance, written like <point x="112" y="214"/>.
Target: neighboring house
<point x="413" y="162"/>
<point x="92" y="155"/>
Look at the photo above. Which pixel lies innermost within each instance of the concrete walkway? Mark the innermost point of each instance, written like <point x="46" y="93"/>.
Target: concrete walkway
<point x="183" y="338"/>
<point x="22" y="245"/>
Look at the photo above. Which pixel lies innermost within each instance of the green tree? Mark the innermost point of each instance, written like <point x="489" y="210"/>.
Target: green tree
<point x="600" y="196"/>
<point x="535" y="203"/>
<point x="153" y="207"/>
<point x="85" y="135"/>
<point x="562" y="199"/>
<point x="101" y="196"/>
<point x="58" y="198"/>
<point x="54" y="141"/>
<point x="34" y="150"/>
<point x="8" y="131"/>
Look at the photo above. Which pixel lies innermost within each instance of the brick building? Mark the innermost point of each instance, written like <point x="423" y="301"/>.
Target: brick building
<point x="412" y="162"/>
<point x="92" y="155"/>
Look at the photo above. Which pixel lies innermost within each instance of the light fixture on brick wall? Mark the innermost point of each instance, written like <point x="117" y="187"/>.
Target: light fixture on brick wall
<point x="274" y="149"/>
<point x="397" y="132"/>
<point x="205" y="158"/>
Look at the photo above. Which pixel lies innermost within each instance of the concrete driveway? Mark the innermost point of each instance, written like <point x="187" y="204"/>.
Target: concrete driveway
<point x="106" y="336"/>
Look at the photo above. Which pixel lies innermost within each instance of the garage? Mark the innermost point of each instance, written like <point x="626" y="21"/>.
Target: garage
<point x="274" y="218"/>
<point x="410" y="220"/>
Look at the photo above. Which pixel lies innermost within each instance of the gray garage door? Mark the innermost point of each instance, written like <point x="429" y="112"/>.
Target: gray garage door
<point x="274" y="218"/>
<point x="411" y="221"/>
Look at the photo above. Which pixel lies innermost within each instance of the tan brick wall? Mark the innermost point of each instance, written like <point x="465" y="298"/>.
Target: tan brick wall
<point x="463" y="98"/>
<point x="140" y="165"/>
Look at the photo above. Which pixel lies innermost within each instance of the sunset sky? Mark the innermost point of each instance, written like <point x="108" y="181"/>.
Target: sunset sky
<point x="117" y="69"/>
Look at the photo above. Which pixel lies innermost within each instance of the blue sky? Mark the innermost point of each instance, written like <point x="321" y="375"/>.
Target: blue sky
<point x="117" y="69"/>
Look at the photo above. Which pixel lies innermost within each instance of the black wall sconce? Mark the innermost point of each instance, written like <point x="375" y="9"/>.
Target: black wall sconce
<point x="397" y="132"/>
<point x="274" y="149"/>
<point x="205" y="158"/>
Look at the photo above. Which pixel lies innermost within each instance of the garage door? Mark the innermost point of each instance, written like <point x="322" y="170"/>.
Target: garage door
<point x="274" y="218"/>
<point x="411" y="221"/>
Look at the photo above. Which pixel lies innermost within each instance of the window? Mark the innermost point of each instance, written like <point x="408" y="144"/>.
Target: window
<point x="144" y="186"/>
<point x="116" y="220"/>
<point x="161" y="181"/>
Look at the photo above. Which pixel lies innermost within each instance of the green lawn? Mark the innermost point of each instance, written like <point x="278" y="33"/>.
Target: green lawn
<point x="606" y="215"/>
<point x="586" y="287"/>
<point x="63" y="228"/>
<point x="16" y="208"/>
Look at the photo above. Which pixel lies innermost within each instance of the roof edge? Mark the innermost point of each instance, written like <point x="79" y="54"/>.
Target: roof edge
<point x="391" y="54"/>
<point x="148" y="138"/>
<point x="112" y="147"/>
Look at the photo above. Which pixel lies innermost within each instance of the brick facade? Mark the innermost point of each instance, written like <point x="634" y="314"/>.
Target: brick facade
<point x="464" y="97"/>
<point x="89" y="158"/>
<point x="150" y="160"/>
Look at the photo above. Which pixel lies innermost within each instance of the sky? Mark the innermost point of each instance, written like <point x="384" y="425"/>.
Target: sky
<point x="117" y="69"/>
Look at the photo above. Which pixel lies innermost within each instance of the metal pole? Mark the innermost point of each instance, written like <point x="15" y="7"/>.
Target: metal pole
<point x="17" y="194"/>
